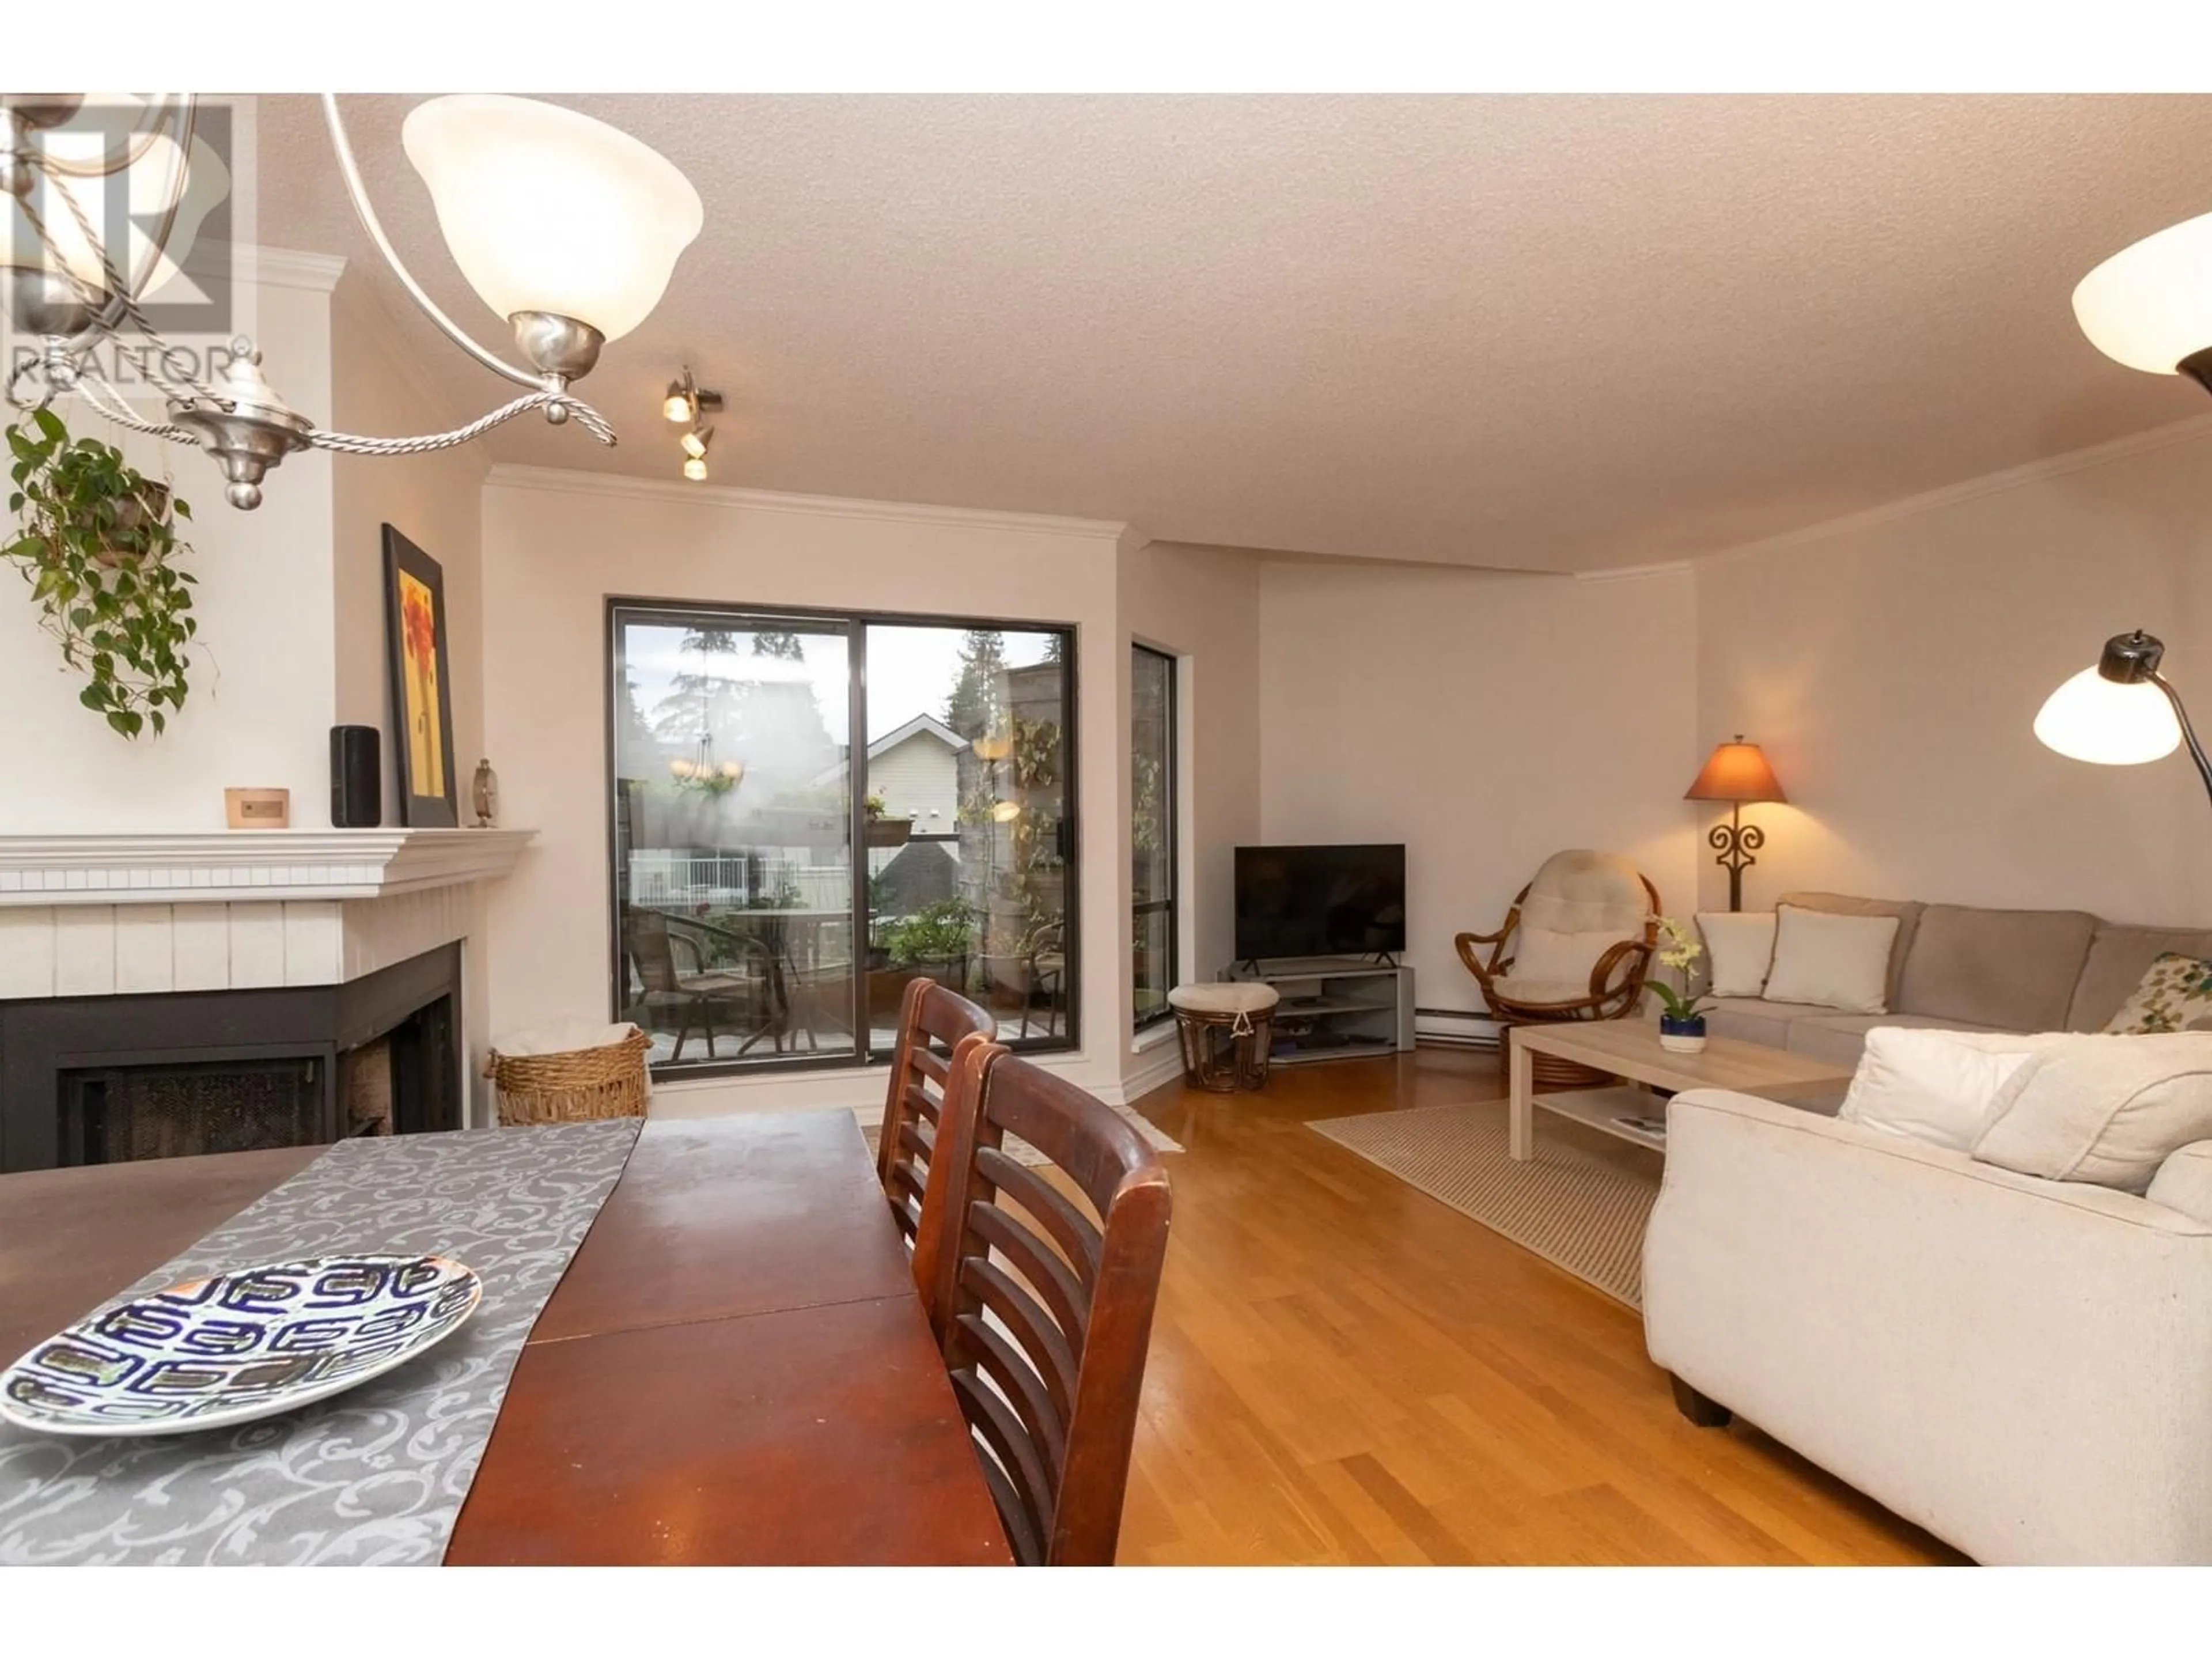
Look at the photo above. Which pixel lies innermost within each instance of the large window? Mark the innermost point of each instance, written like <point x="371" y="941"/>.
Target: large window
<point x="1151" y="829"/>
<point x="809" y="811"/>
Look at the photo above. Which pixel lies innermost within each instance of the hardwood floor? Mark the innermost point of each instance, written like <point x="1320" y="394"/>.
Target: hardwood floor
<point x="1344" y="1370"/>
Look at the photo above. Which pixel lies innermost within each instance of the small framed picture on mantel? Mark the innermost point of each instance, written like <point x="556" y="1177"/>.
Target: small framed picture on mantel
<point x="421" y="673"/>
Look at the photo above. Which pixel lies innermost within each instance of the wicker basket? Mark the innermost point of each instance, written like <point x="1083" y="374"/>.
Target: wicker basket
<point x="564" y="1087"/>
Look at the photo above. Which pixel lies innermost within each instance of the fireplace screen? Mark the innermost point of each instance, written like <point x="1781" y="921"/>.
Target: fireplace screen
<point x="114" y="1114"/>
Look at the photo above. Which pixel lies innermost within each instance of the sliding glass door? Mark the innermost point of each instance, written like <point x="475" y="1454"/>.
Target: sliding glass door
<point x="749" y="929"/>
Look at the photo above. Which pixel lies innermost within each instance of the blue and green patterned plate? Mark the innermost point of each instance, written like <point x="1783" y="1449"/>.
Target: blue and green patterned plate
<point x="239" y="1345"/>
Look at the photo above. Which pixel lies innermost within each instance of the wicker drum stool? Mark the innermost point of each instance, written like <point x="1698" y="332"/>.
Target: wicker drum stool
<point x="563" y="1073"/>
<point x="1224" y="1029"/>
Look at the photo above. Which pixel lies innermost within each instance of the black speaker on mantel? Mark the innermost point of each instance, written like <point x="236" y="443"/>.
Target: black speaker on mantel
<point x="356" y="778"/>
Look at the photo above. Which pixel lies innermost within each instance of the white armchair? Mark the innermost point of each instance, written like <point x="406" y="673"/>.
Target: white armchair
<point x="2023" y="1367"/>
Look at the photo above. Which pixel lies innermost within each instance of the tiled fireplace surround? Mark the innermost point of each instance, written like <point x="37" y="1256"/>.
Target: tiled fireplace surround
<point x="238" y="915"/>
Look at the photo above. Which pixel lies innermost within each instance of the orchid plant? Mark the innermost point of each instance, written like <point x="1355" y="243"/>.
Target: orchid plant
<point x="1678" y="949"/>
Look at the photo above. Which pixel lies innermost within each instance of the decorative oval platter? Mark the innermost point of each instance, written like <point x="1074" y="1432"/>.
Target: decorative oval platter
<point x="239" y="1345"/>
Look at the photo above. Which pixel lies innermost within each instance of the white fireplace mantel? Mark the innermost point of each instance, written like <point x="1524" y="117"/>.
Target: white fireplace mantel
<point x="249" y="865"/>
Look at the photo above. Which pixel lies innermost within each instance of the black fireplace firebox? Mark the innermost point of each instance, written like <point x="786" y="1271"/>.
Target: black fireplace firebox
<point x="107" y="1079"/>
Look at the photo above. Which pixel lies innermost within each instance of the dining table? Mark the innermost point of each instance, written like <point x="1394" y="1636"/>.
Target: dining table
<point x="734" y="1369"/>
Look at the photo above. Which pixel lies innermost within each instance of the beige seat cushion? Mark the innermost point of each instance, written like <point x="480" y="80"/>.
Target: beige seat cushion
<point x="2106" y="1109"/>
<point x="1541" y="955"/>
<point x="1585" y="892"/>
<point x="2016" y="968"/>
<point x="1907" y="912"/>
<point x="1754" y="1020"/>
<point x="2119" y="958"/>
<point x="1514" y="987"/>
<point x="1824" y="1034"/>
<point x="1224" y="997"/>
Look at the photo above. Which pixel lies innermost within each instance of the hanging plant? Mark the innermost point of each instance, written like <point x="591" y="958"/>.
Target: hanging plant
<point x="99" y="547"/>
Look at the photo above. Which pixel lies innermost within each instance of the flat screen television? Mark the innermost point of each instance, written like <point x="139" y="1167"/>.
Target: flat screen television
<point x="1320" y="901"/>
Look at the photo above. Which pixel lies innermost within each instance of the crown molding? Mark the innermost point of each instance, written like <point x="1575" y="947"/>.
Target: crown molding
<point x="567" y="481"/>
<point x="285" y="267"/>
<point x="1629" y="572"/>
<point x="2171" y="436"/>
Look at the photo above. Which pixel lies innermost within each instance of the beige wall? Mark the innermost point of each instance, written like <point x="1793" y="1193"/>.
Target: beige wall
<point x="556" y="544"/>
<point x="1892" y="667"/>
<point x="259" y="705"/>
<point x="436" y="501"/>
<point x="1202" y="607"/>
<point x="1484" y="721"/>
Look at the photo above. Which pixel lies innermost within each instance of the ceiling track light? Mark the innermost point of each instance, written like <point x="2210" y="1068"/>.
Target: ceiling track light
<point x="695" y="443"/>
<point x="685" y="402"/>
<point x="530" y="197"/>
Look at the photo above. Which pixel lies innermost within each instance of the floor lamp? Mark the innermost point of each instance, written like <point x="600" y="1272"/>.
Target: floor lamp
<point x="2121" y="713"/>
<point x="1738" y="773"/>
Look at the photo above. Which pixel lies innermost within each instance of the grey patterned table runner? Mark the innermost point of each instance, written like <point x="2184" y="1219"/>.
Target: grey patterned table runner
<point x="373" y="1475"/>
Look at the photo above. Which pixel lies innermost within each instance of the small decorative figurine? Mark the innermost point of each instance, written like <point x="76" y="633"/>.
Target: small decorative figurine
<point x="485" y="795"/>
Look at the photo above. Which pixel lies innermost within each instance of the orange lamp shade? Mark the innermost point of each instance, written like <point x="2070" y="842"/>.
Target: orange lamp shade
<point x="1736" y="772"/>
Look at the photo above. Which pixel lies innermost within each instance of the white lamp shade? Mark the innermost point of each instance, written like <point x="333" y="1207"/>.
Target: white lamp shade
<point x="546" y="209"/>
<point x="2091" y="718"/>
<point x="2150" y="305"/>
<point x="135" y="198"/>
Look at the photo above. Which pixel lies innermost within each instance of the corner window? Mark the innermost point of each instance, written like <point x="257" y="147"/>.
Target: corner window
<point x="1151" y="831"/>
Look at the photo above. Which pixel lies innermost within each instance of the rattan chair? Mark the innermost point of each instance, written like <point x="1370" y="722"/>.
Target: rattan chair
<point x="1574" y="892"/>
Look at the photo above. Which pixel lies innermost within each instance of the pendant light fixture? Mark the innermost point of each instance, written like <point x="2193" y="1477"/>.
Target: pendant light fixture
<point x="569" y="229"/>
<point x="2150" y="305"/>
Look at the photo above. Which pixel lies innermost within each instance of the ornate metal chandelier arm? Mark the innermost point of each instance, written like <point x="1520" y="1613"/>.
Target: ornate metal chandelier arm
<point x="359" y="193"/>
<point x="110" y="405"/>
<point x="346" y="443"/>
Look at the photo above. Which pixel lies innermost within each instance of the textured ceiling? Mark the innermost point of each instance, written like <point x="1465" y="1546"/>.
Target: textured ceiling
<point x="1562" y="333"/>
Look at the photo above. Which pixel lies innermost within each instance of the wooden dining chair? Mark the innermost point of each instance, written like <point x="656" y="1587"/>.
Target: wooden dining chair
<point x="1043" y="1311"/>
<point x="928" y="1015"/>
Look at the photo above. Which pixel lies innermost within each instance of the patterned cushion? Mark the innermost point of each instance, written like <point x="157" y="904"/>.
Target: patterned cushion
<point x="2175" y="995"/>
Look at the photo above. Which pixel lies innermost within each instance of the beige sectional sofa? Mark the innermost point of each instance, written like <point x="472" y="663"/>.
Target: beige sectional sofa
<point x="1961" y="968"/>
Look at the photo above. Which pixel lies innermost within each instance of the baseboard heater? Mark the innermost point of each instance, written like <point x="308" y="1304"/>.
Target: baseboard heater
<point x="1455" y="1028"/>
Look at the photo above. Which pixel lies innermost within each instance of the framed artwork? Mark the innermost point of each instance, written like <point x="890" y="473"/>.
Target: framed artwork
<point x="422" y="698"/>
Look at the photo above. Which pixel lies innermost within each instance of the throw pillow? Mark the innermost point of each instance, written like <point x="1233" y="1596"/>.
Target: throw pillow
<point x="1935" y="1086"/>
<point x="1553" y="958"/>
<point x="1832" y="961"/>
<point x="1739" y="950"/>
<point x="2174" y="995"/>
<point x="2183" y="1182"/>
<point x="2104" y="1108"/>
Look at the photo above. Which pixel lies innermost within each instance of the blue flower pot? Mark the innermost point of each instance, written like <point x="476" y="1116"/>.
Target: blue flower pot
<point x="1682" y="1036"/>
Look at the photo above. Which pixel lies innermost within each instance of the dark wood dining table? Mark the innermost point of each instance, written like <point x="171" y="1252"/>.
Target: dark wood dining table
<point x="735" y="1368"/>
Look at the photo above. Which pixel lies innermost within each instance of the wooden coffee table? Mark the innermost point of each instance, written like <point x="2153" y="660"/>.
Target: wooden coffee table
<point x="1629" y="1049"/>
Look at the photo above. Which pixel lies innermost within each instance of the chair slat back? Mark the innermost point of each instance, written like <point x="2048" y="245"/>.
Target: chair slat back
<point x="1043" y="1298"/>
<point x="928" y="1015"/>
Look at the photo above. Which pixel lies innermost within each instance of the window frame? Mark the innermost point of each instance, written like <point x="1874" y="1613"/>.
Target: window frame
<point x="623" y="608"/>
<point x="1171" y="906"/>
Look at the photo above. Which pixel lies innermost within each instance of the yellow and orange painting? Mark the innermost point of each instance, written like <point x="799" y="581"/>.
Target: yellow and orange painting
<point x="418" y="645"/>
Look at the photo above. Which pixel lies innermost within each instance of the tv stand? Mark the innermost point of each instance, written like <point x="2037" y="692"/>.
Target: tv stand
<point x="1334" y="1008"/>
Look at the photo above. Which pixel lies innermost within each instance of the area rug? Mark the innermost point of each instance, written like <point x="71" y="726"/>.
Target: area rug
<point x="1020" y="1150"/>
<point x="1580" y="1203"/>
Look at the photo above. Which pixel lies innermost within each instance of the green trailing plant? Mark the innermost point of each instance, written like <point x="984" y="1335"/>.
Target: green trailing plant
<point x="99" y="546"/>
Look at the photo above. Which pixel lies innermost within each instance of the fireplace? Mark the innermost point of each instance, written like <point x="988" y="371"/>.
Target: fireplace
<point x="111" y="1079"/>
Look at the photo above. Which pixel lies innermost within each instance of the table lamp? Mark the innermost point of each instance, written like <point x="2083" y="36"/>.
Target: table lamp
<point x="1736" y="773"/>
<point x="2121" y="713"/>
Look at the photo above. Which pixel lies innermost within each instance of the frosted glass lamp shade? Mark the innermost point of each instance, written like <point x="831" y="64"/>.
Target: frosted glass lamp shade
<point x="2150" y="305"/>
<point x="548" y="210"/>
<point x="2091" y="718"/>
